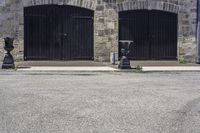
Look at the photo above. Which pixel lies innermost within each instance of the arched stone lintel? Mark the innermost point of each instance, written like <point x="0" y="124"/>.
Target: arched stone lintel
<point x="138" y="5"/>
<point x="88" y="4"/>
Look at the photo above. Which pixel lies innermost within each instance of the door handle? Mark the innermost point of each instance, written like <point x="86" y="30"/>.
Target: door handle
<point x="62" y="34"/>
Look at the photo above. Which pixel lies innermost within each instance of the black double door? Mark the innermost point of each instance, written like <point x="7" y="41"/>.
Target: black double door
<point x="58" y="33"/>
<point x="154" y="33"/>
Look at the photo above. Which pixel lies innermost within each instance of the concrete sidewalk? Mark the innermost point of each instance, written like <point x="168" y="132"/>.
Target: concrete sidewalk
<point x="100" y="64"/>
<point x="160" y="63"/>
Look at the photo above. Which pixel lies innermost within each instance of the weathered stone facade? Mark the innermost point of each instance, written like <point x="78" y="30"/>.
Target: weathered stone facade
<point x="105" y="22"/>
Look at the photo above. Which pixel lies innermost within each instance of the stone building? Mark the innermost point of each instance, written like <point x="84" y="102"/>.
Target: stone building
<point x="160" y="29"/>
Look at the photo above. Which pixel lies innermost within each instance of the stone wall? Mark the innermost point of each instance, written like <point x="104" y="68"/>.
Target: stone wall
<point x="105" y="21"/>
<point x="198" y="33"/>
<point x="11" y="25"/>
<point x="107" y="15"/>
<point x="187" y="44"/>
<point x="106" y="31"/>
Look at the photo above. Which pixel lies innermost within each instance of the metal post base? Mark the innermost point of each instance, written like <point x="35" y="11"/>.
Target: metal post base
<point x="8" y="62"/>
<point x="198" y="61"/>
<point x="124" y="63"/>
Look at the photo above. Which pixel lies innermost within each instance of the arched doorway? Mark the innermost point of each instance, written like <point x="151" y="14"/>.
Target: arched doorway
<point x="55" y="32"/>
<point x="154" y="33"/>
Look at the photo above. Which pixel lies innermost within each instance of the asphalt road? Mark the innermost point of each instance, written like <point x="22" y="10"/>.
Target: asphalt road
<point x="112" y="102"/>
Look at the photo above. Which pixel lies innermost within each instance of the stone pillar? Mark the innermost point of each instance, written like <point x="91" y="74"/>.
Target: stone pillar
<point x="198" y="33"/>
<point x="106" y="30"/>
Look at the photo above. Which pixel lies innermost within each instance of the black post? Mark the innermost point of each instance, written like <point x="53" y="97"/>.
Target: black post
<point x="198" y="32"/>
<point x="124" y="61"/>
<point x="8" y="62"/>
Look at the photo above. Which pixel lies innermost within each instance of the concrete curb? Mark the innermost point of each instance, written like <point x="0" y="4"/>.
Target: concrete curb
<point x="171" y="69"/>
<point x="108" y="69"/>
<point x="69" y="69"/>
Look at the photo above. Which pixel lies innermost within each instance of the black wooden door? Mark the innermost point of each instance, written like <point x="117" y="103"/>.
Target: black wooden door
<point x="163" y="35"/>
<point x="53" y="32"/>
<point x="154" y="33"/>
<point x="78" y="30"/>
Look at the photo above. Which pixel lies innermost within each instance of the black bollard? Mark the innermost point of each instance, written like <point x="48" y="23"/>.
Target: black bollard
<point x="8" y="62"/>
<point x="124" y="61"/>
